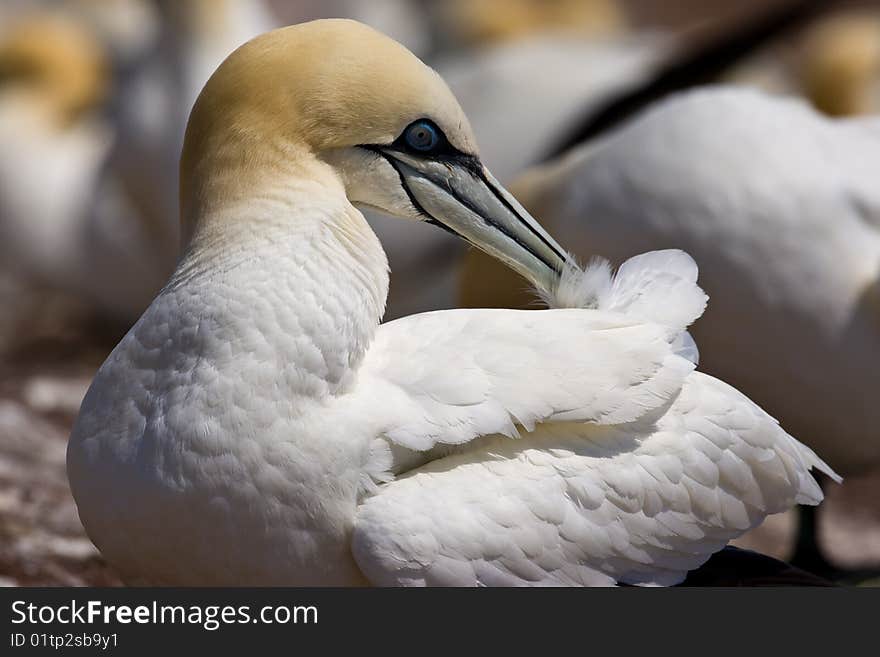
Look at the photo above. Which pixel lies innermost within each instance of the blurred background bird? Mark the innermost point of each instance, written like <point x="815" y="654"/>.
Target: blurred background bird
<point x="586" y="107"/>
<point x="788" y="229"/>
<point x="54" y="79"/>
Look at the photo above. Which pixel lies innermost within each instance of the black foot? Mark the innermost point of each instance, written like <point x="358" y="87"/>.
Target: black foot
<point x="734" y="566"/>
<point x="808" y="555"/>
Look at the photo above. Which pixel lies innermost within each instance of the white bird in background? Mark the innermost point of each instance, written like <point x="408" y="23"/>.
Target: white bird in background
<point x="53" y="142"/>
<point x="259" y="425"/>
<point x="154" y="101"/>
<point x="834" y="62"/>
<point x="490" y="86"/>
<point x="107" y="233"/>
<point x="781" y="208"/>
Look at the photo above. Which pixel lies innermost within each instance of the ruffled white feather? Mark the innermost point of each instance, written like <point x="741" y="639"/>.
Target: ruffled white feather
<point x="658" y="287"/>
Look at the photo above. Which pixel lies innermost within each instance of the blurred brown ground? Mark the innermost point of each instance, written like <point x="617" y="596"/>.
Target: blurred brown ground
<point x="42" y="380"/>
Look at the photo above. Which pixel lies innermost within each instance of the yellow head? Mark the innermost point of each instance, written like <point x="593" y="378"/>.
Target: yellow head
<point x="479" y="21"/>
<point x="53" y="61"/>
<point x="841" y="63"/>
<point x="336" y="101"/>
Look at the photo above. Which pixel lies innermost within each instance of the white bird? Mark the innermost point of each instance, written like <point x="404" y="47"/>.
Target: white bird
<point x="835" y="63"/>
<point x="258" y="425"/>
<point x="53" y="144"/>
<point x="107" y="233"/>
<point x="780" y="207"/>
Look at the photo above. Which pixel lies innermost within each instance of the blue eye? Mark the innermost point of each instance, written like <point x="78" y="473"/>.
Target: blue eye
<point x="422" y="136"/>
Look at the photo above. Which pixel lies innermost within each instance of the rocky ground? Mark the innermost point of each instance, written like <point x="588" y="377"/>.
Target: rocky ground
<point x="51" y="354"/>
<point x="49" y="350"/>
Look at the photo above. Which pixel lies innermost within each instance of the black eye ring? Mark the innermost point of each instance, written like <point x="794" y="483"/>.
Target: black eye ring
<point x="422" y="136"/>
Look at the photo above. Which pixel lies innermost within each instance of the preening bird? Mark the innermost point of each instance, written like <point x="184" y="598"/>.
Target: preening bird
<point x="596" y="83"/>
<point x="258" y="425"/>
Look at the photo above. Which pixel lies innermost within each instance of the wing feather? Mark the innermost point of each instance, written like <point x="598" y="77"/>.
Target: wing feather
<point x="455" y="375"/>
<point x="580" y="503"/>
<point x="629" y="466"/>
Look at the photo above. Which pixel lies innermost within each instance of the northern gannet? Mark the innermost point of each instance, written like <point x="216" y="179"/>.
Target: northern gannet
<point x="258" y="425"/>
<point x="834" y="62"/>
<point x="596" y="81"/>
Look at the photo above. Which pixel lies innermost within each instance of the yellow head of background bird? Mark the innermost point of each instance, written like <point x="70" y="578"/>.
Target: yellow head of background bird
<point x="56" y="62"/>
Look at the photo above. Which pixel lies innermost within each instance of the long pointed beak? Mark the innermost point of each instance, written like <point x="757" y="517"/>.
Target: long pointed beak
<point x="460" y="195"/>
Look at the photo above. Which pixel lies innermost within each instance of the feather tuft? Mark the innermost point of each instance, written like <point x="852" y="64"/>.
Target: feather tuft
<point x="580" y="287"/>
<point x="658" y="286"/>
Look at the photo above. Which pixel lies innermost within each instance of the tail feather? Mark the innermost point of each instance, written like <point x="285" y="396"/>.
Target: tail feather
<point x="813" y="461"/>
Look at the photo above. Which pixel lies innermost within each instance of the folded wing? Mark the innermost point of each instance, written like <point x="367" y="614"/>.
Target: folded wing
<point x="563" y="447"/>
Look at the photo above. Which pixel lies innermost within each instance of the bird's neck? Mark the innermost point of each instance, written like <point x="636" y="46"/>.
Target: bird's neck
<point x="296" y="267"/>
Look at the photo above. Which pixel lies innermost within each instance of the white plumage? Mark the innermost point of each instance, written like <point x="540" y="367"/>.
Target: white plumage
<point x="61" y="224"/>
<point x="258" y="425"/>
<point x="626" y="465"/>
<point x="466" y="447"/>
<point x="780" y="207"/>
